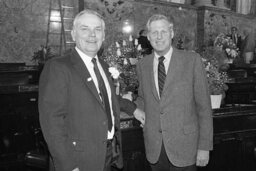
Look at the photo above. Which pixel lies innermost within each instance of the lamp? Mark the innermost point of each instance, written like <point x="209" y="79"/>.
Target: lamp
<point x="127" y="27"/>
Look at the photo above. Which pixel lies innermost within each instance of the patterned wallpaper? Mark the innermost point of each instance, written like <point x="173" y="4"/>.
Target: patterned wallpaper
<point x="22" y="28"/>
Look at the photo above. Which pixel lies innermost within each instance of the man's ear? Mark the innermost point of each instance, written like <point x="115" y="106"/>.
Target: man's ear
<point x="148" y="37"/>
<point x="103" y="36"/>
<point x="172" y="34"/>
<point x="73" y="35"/>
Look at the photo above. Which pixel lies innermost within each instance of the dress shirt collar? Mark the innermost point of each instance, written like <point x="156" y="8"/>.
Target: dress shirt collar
<point x="167" y="56"/>
<point x="87" y="59"/>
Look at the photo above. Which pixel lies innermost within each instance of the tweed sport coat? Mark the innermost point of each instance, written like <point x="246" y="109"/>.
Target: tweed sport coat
<point x="182" y="118"/>
<point x="72" y="117"/>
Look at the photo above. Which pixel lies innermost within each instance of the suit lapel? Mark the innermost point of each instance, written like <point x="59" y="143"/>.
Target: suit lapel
<point x="84" y="74"/>
<point x="152" y="76"/>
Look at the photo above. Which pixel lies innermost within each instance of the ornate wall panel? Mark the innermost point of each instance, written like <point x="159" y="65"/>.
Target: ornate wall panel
<point x="23" y="23"/>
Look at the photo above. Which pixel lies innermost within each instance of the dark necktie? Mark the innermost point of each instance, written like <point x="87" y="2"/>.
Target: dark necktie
<point x="234" y="38"/>
<point x="103" y="93"/>
<point x="161" y="74"/>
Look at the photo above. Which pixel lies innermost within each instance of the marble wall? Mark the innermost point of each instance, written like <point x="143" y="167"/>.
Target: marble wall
<point x="23" y="28"/>
<point x="23" y="23"/>
<point x="213" y="21"/>
<point x="138" y="12"/>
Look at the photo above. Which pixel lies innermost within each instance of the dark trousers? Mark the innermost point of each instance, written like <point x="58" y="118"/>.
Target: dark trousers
<point x="109" y="158"/>
<point x="164" y="164"/>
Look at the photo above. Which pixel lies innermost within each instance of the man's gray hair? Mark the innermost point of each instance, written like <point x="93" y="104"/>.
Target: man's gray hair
<point x="157" y="17"/>
<point x="88" y="11"/>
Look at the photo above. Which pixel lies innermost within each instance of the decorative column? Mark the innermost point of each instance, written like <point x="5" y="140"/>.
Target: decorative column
<point x="203" y="3"/>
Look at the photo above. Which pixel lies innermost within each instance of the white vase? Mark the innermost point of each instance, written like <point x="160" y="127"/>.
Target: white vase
<point x="248" y="57"/>
<point x="216" y="101"/>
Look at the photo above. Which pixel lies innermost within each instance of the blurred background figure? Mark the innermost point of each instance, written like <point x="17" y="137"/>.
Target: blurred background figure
<point x="145" y="44"/>
<point x="235" y="37"/>
<point x="248" y="45"/>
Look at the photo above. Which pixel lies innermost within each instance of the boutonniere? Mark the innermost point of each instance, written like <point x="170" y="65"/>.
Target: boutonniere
<point x="114" y="72"/>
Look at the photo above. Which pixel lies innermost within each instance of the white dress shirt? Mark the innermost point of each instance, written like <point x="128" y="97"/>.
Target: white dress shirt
<point x="90" y="66"/>
<point x="166" y="61"/>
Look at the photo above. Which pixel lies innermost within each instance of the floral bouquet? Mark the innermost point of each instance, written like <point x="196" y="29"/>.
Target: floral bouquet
<point x="122" y="57"/>
<point x="217" y="78"/>
<point x="226" y="43"/>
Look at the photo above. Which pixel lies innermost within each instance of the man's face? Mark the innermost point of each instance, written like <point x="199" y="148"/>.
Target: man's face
<point x="88" y="33"/>
<point x="233" y="30"/>
<point x="160" y="36"/>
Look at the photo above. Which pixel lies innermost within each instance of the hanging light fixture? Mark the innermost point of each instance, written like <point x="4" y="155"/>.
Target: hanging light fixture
<point x="127" y="27"/>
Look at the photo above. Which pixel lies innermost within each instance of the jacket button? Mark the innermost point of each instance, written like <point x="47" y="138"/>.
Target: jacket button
<point x="161" y="113"/>
<point x="74" y="143"/>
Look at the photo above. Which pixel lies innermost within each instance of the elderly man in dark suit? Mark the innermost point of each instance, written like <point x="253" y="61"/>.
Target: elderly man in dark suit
<point x="79" y="111"/>
<point x="173" y="92"/>
<point x="235" y="37"/>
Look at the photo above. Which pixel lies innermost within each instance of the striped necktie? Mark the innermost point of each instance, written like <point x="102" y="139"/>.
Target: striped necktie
<point x="103" y="93"/>
<point x="161" y="74"/>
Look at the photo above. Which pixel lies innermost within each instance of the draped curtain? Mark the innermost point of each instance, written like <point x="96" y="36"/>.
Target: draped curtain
<point x="253" y="7"/>
<point x="244" y="6"/>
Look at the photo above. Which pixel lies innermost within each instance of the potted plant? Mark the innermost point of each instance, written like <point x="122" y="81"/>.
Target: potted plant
<point x="215" y="62"/>
<point x="225" y="43"/>
<point x="42" y="55"/>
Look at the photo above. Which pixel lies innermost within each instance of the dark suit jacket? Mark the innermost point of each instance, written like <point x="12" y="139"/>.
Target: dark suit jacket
<point x="182" y="118"/>
<point x="239" y="40"/>
<point x="72" y="117"/>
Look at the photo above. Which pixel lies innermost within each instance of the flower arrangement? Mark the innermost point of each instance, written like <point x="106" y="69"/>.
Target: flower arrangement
<point x="213" y="60"/>
<point x="122" y="57"/>
<point x="226" y="43"/>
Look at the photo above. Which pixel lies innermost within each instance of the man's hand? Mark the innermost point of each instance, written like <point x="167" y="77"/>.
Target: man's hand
<point x="127" y="96"/>
<point x="140" y="116"/>
<point x="202" y="158"/>
<point x="76" y="169"/>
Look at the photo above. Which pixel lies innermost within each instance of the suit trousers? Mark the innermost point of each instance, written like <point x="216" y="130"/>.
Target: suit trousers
<point x="109" y="157"/>
<point x="164" y="164"/>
